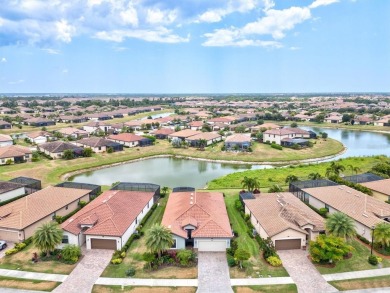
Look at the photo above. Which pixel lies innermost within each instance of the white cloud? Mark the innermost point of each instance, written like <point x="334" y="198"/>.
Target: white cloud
<point x="318" y="3"/>
<point x="16" y="81"/>
<point x="130" y="16"/>
<point x="157" y="16"/>
<point x="3" y="60"/>
<point x="211" y="16"/>
<point x="65" y="31"/>
<point x="295" y="48"/>
<point x="51" y="51"/>
<point x="65" y="71"/>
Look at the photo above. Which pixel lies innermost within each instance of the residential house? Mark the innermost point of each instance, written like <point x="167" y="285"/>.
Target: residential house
<point x="6" y="111"/>
<point x="283" y="136"/>
<point x="39" y="122"/>
<point x="99" y="145"/>
<point x="74" y="133"/>
<point x="6" y="140"/>
<point x="224" y="120"/>
<point x="196" y="125"/>
<point x="198" y="219"/>
<point x="162" y="133"/>
<point x="130" y="139"/>
<point x="183" y="134"/>
<point x="72" y="119"/>
<point x="384" y="121"/>
<point x="263" y="127"/>
<point x="10" y="190"/>
<point x="379" y="188"/>
<point x="238" y="141"/>
<point x="363" y="120"/>
<point x="334" y="119"/>
<point x="209" y="137"/>
<point x="5" y="125"/>
<point x="109" y="220"/>
<point x="14" y="154"/>
<point x="287" y="221"/>
<point x="39" y="137"/>
<point x="20" y="218"/>
<point x="365" y="211"/>
<point x="97" y="126"/>
<point x="56" y="149"/>
<point x="98" y="117"/>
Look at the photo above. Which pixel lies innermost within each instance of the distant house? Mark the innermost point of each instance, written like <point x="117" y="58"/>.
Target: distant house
<point x="285" y="136"/>
<point x="74" y="133"/>
<point x="238" y="141"/>
<point x="198" y="219"/>
<point x="363" y="120"/>
<point x="99" y="145"/>
<point x="384" y="121"/>
<point x="183" y="134"/>
<point x="6" y="140"/>
<point x="97" y="126"/>
<point x="72" y="119"/>
<point x="264" y="126"/>
<point x="39" y="137"/>
<point x="6" y="111"/>
<point x="5" y="125"/>
<point x="196" y="125"/>
<point x="56" y="149"/>
<point x="287" y="221"/>
<point x="162" y="133"/>
<point x="224" y="120"/>
<point x="209" y="137"/>
<point x="140" y="124"/>
<point x="333" y="119"/>
<point x="109" y="220"/>
<point x="130" y="139"/>
<point x="14" y="154"/>
<point x="39" y="122"/>
<point x="379" y="188"/>
<point x="98" y="117"/>
<point x="20" y="218"/>
<point x="10" y="190"/>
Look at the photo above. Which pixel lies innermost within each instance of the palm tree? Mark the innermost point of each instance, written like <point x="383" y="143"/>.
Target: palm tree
<point x="334" y="169"/>
<point x="246" y="183"/>
<point x="47" y="237"/>
<point x="275" y="188"/>
<point x="340" y="225"/>
<point x="315" y="176"/>
<point x="202" y="144"/>
<point x="291" y="178"/>
<point x="158" y="239"/>
<point x="354" y="169"/>
<point x="165" y="190"/>
<point x="382" y="234"/>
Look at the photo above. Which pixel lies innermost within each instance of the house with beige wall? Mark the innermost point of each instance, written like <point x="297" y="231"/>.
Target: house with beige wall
<point x="20" y="218"/>
<point x="285" y="219"/>
<point x="380" y="189"/>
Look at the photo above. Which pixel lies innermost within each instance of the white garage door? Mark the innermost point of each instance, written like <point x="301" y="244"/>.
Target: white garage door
<point x="211" y="245"/>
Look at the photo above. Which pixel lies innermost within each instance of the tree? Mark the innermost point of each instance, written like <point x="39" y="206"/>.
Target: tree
<point x="87" y="152"/>
<point x="291" y="178"/>
<point x="324" y="135"/>
<point x="328" y="248"/>
<point x="250" y="183"/>
<point x="334" y="169"/>
<point x="68" y="155"/>
<point x="314" y="176"/>
<point x="158" y="239"/>
<point x="202" y="144"/>
<point x="71" y="252"/>
<point x="294" y="124"/>
<point x="354" y="169"/>
<point x="382" y="234"/>
<point x="165" y="190"/>
<point x="47" y="237"/>
<point x="340" y="225"/>
<point x="275" y="188"/>
<point x="241" y="255"/>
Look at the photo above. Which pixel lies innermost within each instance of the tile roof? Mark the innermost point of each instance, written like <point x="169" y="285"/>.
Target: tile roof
<point x="126" y="137"/>
<point x="111" y="213"/>
<point x="165" y="131"/>
<point x="382" y="186"/>
<point x="185" y="133"/>
<point x="5" y="137"/>
<point x="206" y="210"/>
<point x="95" y="142"/>
<point x="71" y="130"/>
<point x="267" y="126"/>
<point x="359" y="206"/>
<point x="205" y="135"/>
<point x="13" y="151"/>
<point x="238" y="138"/>
<point x="36" y="134"/>
<point x="277" y="212"/>
<point x="25" y="211"/>
<point x="58" y="146"/>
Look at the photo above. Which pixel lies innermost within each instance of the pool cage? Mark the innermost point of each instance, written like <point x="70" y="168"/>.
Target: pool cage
<point x="361" y="178"/>
<point x="95" y="189"/>
<point x="31" y="185"/>
<point x="132" y="186"/>
<point x="297" y="186"/>
<point x="183" y="189"/>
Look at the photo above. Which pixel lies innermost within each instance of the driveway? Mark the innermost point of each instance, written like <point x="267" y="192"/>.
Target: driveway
<point x="303" y="272"/>
<point x="9" y="246"/>
<point x="86" y="273"/>
<point x="213" y="273"/>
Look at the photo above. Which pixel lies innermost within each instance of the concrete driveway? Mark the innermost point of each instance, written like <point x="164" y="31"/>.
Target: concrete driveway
<point x="303" y="272"/>
<point x="86" y="273"/>
<point x="213" y="273"/>
<point x="9" y="246"/>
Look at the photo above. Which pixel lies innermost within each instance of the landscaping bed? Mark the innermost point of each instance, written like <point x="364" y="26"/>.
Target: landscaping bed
<point x="364" y="283"/>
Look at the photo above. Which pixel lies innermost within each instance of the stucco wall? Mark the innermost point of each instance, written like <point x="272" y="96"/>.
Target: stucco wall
<point x="180" y="242"/>
<point x="380" y="196"/>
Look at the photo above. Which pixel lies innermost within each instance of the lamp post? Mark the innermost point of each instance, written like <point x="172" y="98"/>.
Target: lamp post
<point x="372" y="237"/>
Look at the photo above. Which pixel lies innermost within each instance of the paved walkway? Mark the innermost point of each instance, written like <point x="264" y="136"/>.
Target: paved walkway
<point x="213" y="273"/>
<point x="303" y="272"/>
<point x="32" y="275"/>
<point x="86" y="273"/>
<point x="357" y="274"/>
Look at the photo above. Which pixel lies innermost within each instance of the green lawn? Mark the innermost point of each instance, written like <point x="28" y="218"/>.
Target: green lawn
<point x="364" y="283"/>
<point x="358" y="261"/>
<point x="268" y="177"/>
<point x="288" y="288"/>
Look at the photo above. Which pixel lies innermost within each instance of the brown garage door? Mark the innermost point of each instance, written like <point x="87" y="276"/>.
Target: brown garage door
<point x="288" y="244"/>
<point x="103" y="244"/>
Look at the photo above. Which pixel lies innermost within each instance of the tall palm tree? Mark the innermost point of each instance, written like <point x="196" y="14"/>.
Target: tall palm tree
<point x="291" y="178"/>
<point x="165" y="190"/>
<point x="354" y="169"/>
<point x="382" y="234"/>
<point x="334" y="169"/>
<point x="158" y="239"/>
<point x="314" y="176"/>
<point x="47" y="237"/>
<point x="340" y="225"/>
<point x="246" y="183"/>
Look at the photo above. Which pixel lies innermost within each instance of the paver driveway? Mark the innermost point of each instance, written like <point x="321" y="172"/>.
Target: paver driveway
<point x="85" y="274"/>
<point x="303" y="272"/>
<point x="213" y="273"/>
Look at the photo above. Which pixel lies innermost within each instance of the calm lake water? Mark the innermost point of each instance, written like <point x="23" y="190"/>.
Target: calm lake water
<point x="174" y="172"/>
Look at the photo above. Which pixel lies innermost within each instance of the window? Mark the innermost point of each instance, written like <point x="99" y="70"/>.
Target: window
<point x="136" y="221"/>
<point x="53" y="216"/>
<point x="174" y="243"/>
<point x="66" y="207"/>
<point x="148" y="205"/>
<point x="65" y="239"/>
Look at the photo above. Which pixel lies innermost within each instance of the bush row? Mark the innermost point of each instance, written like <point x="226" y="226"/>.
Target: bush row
<point x="19" y="246"/>
<point x="356" y="186"/>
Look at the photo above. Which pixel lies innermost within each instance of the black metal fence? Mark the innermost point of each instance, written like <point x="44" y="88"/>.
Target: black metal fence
<point x="297" y="186"/>
<point x="183" y="189"/>
<point x="132" y="186"/>
<point x="361" y="178"/>
<point x="95" y="189"/>
<point x="31" y="185"/>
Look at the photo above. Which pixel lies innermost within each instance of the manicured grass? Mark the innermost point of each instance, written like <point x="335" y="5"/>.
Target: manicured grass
<point x="15" y="283"/>
<point x="269" y="177"/>
<point x="132" y="289"/>
<point x="364" y="283"/>
<point x="256" y="265"/>
<point x="22" y="261"/>
<point x="288" y="288"/>
<point x="358" y="261"/>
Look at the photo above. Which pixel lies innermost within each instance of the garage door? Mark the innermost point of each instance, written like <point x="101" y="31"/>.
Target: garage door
<point x="211" y="245"/>
<point x="103" y="244"/>
<point x="7" y="235"/>
<point x="288" y="244"/>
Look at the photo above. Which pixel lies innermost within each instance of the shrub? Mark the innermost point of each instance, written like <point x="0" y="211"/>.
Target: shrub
<point x="185" y="257"/>
<point x="123" y="254"/>
<point x="233" y="247"/>
<point x="276" y="146"/>
<point x="20" y="246"/>
<point x="323" y="212"/>
<point x="116" y="261"/>
<point x="71" y="253"/>
<point x="82" y="203"/>
<point x="373" y="260"/>
<point x="130" y="272"/>
<point x="274" y="261"/>
<point x="110" y="150"/>
<point x="231" y="261"/>
<point x="328" y="249"/>
<point x="11" y="251"/>
<point x="362" y="239"/>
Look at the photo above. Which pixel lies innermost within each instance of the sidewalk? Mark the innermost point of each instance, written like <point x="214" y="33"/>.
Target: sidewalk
<point x="357" y="274"/>
<point x="32" y="275"/>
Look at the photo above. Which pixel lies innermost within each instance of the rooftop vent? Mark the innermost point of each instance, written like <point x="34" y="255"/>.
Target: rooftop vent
<point x="365" y="215"/>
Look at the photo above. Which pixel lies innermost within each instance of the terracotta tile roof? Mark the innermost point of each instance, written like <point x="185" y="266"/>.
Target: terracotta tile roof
<point x="277" y="212"/>
<point x="71" y="130"/>
<point x="382" y="186"/>
<point x="267" y="126"/>
<point x="5" y="137"/>
<point x="23" y="212"/>
<point x="207" y="212"/>
<point x="205" y="135"/>
<point x="126" y="137"/>
<point x="112" y="213"/>
<point x="2" y="122"/>
<point x="359" y="206"/>
<point x="36" y="134"/>
<point x="238" y="138"/>
<point x="196" y="123"/>
<point x="185" y="133"/>
<point x="165" y="131"/>
<point x="95" y="142"/>
<point x="58" y="146"/>
<point x="13" y="151"/>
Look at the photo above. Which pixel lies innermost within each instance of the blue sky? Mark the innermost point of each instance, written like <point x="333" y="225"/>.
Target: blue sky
<point x="194" y="46"/>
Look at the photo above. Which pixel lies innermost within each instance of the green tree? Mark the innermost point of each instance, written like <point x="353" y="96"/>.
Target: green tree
<point x="328" y="249"/>
<point x="202" y="144"/>
<point x="250" y="183"/>
<point x="314" y="176"/>
<point x="87" y="152"/>
<point x="294" y="124"/>
<point x="71" y="252"/>
<point x="158" y="239"/>
<point x="354" y="169"/>
<point x="165" y="190"/>
<point x="241" y="255"/>
<point x="340" y="225"/>
<point x="382" y="234"/>
<point x="334" y="169"/>
<point x="291" y="178"/>
<point x="275" y="188"/>
<point x="47" y="237"/>
<point x="324" y="135"/>
<point x="68" y="155"/>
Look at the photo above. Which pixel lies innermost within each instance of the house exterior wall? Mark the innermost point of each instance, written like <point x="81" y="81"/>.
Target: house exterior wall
<point x="9" y="235"/>
<point x="89" y="129"/>
<point x="12" y="194"/>
<point x="39" y="140"/>
<point x="380" y="196"/>
<point x="73" y="239"/>
<point x="180" y="242"/>
<point x="3" y="161"/>
<point x="290" y="234"/>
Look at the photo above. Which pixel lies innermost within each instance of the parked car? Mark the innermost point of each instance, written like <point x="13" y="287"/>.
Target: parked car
<point x="3" y="244"/>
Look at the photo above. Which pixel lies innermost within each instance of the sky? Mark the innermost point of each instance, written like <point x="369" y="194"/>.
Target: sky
<point x="194" y="46"/>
